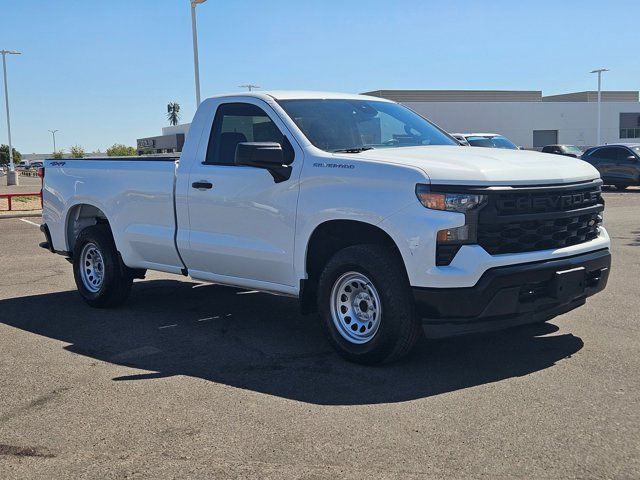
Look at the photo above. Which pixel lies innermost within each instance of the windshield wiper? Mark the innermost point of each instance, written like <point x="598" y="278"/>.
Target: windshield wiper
<point x="352" y="150"/>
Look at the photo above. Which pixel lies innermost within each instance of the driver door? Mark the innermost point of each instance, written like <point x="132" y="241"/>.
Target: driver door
<point x="242" y="222"/>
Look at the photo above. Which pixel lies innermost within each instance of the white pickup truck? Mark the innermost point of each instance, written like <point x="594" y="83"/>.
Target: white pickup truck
<point x="358" y="206"/>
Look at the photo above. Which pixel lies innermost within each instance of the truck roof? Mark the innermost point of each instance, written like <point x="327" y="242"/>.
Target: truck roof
<point x="301" y="95"/>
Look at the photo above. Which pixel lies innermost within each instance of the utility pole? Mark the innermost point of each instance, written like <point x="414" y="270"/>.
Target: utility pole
<point x="12" y="175"/>
<point x="599" y="72"/>
<point x="53" y="133"/>
<point x="194" y="33"/>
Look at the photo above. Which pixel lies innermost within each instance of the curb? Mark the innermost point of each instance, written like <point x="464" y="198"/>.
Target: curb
<point x="22" y="215"/>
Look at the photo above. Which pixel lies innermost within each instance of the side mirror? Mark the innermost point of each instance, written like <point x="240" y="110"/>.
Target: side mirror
<point x="259" y="154"/>
<point x="632" y="158"/>
<point x="267" y="155"/>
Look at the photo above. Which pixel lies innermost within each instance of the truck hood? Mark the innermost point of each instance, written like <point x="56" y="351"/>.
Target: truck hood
<point x="482" y="166"/>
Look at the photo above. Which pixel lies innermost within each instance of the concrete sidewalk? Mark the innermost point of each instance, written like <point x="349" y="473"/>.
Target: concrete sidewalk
<point x="20" y="214"/>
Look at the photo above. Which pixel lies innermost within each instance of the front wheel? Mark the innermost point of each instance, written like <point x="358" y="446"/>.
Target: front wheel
<point x="366" y="305"/>
<point x="101" y="277"/>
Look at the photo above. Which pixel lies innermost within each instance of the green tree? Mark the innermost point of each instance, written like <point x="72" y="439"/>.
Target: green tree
<point x="58" y="154"/>
<point x="119" y="150"/>
<point x="173" y="113"/>
<point x="4" y="155"/>
<point x="77" y="151"/>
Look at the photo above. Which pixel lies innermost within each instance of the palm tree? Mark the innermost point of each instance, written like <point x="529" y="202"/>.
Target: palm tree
<point x="173" y="113"/>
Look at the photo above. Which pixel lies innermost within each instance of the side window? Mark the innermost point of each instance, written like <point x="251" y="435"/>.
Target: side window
<point x="235" y="123"/>
<point x="623" y="155"/>
<point x="586" y="155"/>
<point x="609" y="154"/>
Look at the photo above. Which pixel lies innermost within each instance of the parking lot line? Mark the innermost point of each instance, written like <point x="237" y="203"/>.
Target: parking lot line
<point x="29" y="222"/>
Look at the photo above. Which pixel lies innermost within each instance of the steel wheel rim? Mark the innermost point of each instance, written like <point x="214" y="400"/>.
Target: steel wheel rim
<point x="356" y="309"/>
<point x="92" y="267"/>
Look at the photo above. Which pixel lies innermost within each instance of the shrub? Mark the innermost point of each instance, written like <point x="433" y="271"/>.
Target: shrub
<point x="119" y="150"/>
<point x="77" y="151"/>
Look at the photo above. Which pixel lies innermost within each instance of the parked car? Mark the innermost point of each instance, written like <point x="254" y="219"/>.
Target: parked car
<point x="35" y="165"/>
<point x="489" y="140"/>
<point x="460" y="138"/>
<point x="357" y="206"/>
<point x="618" y="163"/>
<point x="567" y="150"/>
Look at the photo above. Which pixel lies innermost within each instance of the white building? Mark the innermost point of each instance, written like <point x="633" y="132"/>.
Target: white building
<point x="526" y="117"/>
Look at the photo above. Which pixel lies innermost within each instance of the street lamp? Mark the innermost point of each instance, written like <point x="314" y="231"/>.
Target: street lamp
<point x="249" y="86"/>
<point x="12" y="177"/>
<point x="599" y="72"/>
<point x="194" y="32"/>
<point x="53" y="132"/>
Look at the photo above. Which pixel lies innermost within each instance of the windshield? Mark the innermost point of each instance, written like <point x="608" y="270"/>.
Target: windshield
<point x="356" y="125"/>
<point x="496" y="141"/>
<point x="636" y="150"/>
<point x="572" y="149"/>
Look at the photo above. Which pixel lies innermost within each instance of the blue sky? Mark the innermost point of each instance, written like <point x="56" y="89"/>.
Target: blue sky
<point x="102" y="72"/>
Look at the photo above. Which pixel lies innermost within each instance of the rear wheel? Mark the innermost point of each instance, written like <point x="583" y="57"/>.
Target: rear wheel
<point x="366" y="305"/>
<point x="621" y="187"/>
<point x="101" y="277"/>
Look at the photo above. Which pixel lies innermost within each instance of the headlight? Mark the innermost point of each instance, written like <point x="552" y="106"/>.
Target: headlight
<point x="452" y="202"/>
<point x="449" y="241"/>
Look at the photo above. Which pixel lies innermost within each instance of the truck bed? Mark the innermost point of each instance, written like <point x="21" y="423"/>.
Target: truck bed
<point x="135" y="193"/>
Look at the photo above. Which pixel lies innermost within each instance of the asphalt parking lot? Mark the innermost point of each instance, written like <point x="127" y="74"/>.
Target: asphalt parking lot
<point x="27" y="185"/>
<point x="200" y="381"/>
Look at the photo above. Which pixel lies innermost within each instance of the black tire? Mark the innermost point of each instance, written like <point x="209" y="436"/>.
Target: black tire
<point x="399" y="327"/>
<point x="621" y="187"/>
<point x="117" y="278"/>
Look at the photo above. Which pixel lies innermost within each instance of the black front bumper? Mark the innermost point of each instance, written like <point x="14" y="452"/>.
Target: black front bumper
<point x="514" y="295"/>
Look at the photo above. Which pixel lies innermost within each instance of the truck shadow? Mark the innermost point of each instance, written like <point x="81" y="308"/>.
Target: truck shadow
<point x="260" y="342"/>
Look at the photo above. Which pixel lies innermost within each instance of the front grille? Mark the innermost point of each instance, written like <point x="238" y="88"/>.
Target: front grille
<point x="514" y="237"/>
<point x="539" y="218"/>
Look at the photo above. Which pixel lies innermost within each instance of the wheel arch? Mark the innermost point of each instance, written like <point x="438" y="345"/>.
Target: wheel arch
<point x="79" y="217"/>
<point x="327" y="239"/>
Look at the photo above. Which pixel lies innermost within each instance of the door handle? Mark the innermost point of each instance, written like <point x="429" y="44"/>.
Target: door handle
<point x="202" y="185"/>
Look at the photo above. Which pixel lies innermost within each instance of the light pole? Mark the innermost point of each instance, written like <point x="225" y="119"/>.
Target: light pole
<point x="53" y="132"/>
<point x="249" y="86"/>
<point x="599" y="72"/>
<point x="194" y="32"/>
<point x="12" y="177"/>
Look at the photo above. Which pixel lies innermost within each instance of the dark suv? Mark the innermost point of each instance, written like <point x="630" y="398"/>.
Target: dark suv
<point x="618" y="164"/>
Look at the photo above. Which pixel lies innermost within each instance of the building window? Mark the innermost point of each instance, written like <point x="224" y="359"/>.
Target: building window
<point x="629" y="125"/>
<point x="630" y="133"/>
